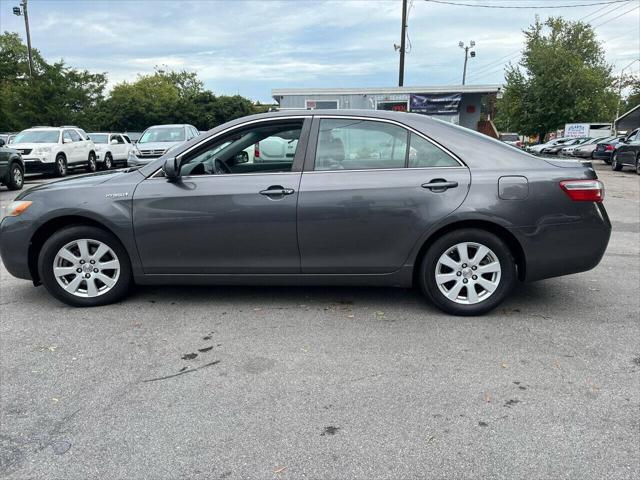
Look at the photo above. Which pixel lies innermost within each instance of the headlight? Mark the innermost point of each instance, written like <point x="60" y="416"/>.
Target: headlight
<point x="97" y="148"/>
<point x="17" y="208"/>
<point x="132" y="155"/>
<point x="41" y="150"/>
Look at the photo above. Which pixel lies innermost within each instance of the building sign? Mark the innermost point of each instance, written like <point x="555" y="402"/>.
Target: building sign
<point x="389" y="105"/>
<point x="448" y="104"/>
<point x="576" y="130"/>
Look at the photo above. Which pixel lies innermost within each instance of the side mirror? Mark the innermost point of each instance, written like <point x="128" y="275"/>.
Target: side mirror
<point x="67" y="140"/>
<point x="2" y="142"/>
<point x="114" y="142"/>
<point x="241" y="157"/>
<point x="171" y="169"/>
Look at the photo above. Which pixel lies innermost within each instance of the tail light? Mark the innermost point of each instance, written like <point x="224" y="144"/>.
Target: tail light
<point x="608" y="148"/>
<point x="583" y="190"/>
<point x="256" y="150"/>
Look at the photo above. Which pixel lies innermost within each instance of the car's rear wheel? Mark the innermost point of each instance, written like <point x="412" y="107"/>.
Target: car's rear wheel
<point x="60" y="166"/>
<point x="108" y="162"/>
<point x="615" y="165"/>
<point x="85" y="266"/>
<point x="92" y="165"/>
<point x="467" y="272"/>
<point x="15" y="179"/>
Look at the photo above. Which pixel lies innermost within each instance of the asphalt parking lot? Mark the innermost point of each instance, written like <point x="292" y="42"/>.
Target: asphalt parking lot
<point x="330" y="383"/>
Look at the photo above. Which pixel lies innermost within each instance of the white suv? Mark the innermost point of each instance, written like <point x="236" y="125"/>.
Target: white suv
<point x="111" y="148"/>
<point x="54" y="150"/>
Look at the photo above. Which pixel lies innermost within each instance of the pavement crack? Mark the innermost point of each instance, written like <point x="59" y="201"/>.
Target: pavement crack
<point x="182" y="372"/>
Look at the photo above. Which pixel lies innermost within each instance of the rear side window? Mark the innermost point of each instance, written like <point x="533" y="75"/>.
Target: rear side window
<point x="423" y="153"/>
<point x="350" y="144"/>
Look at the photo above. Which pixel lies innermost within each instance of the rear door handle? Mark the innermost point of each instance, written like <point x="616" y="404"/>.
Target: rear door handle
<point x="277" y="191"/>
<point x="439" y="185"/>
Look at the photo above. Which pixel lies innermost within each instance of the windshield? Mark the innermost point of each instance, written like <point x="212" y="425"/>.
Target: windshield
<point x="37" y="136"/>
<point x="99" y="137"/>
<point x="162" y="134"/>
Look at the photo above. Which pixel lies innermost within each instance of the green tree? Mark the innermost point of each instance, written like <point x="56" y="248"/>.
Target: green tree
<point x="56" y="95"/>
<point x="561" y="78"/>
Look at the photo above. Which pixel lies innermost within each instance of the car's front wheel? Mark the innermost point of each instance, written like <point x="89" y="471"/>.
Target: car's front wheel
<point x="15" y="179"/>
<point x="108" y="162"/>
<point x="467" y="272"/>
<point x="60" y="166"/>
<point x="615" y="165"/>
<point x="92" y="165"/>
<point x="85" y="266"/>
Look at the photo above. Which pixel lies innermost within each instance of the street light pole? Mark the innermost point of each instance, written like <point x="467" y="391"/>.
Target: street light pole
<point x="24" y="11"/>
<point x="403" y="34"/>
<point x="466" y="57"/>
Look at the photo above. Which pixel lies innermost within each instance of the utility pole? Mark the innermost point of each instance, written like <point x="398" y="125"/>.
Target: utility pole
<point x="403" y="35"/>
<point x="467" y="54"/>
<point x="17" y="11"/>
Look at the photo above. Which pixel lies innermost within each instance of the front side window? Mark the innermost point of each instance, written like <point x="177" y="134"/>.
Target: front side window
<point x="163" y="134"/>
<point x="423" y="153"/>
<point x="267" y="148"/>
<point x="75" y="136"/>
<point x="351" y="144"/>
<point x="67" y="136"/>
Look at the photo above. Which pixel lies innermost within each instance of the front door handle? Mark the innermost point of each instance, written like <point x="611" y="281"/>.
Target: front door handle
<point x="275" y="191"/>
<point x="439" y="185"/>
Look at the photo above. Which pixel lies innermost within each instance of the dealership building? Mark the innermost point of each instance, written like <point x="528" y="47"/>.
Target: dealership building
<point x="466" y="105"/>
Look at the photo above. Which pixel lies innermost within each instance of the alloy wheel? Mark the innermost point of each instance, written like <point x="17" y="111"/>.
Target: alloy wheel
<point x="86" y="268"/>
<point x="17" y="177"/>
<point x="468" y="273"/>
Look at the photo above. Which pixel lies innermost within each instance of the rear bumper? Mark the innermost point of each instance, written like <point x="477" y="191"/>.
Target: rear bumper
<point x="14" y="246"/>
<point x="602" y="155"/>
<point x="576" y="245"/>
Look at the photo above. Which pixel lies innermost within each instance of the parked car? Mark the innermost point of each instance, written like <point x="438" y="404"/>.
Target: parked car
<point x="551" y="143"/>
<point x="604" y="149"/>
<point x="627" y="153"/>
<point x="54" y="150"/>
<point x="569" y="149"/>
<point x="112" y="149"/>
<point x="156" y="140"/>
<point x="586" y="149"/>
<point x="512" y="139"/>
<point x="557" y="148"/>
<point x="11" y="168"/>
<point x="465" y="218"/>
<point x="5" y="138"/>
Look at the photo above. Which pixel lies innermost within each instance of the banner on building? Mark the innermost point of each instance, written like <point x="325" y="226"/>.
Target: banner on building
<point x="448" y="104"/>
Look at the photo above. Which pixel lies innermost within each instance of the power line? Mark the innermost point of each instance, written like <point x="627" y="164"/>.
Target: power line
<point x="573" y="5"/>
<point x="613" y="18"/>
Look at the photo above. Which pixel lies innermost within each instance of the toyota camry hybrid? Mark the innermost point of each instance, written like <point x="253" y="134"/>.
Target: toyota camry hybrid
<point x="354" y="198"/>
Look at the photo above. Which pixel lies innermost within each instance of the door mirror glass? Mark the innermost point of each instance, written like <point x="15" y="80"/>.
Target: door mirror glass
<point x="171" y="168"/>
<point x="67" y="140"/>
<point x="241" y="157"/>
<point x="114" y="142"/>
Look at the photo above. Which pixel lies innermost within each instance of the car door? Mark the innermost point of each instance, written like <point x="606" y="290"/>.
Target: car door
<point x="369" y="191"/>
<point x="225" y="215"/>
<point x="118" y="149"/>
<point x="70" y="145"/>
<point x="627" y="150"/>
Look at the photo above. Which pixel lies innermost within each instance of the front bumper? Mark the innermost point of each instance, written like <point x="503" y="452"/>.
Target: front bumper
<point x="36" y="165"/>
<point x="556" y="249"/>
<point x="15" y="234"/>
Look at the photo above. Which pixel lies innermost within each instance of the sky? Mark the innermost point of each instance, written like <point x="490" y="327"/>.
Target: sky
<point x="251" y="47"/>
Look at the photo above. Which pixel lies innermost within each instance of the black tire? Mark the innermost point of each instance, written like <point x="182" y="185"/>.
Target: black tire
<point x="68" y="234"/>
<point x="427" y="272"/>
<point x="15" y="177"/>
<point x="615" y="165"/>
<point x="92" y="165"/>
<point x="108" y="162"/>
<point x="60" y="166"/>
<point x="638" y="164"/>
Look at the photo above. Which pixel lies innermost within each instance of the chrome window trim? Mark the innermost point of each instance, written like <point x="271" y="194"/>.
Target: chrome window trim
<point x="304" y="117"/>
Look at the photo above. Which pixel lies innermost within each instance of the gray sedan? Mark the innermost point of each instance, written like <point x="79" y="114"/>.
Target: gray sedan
<point x="364" y="198"/>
